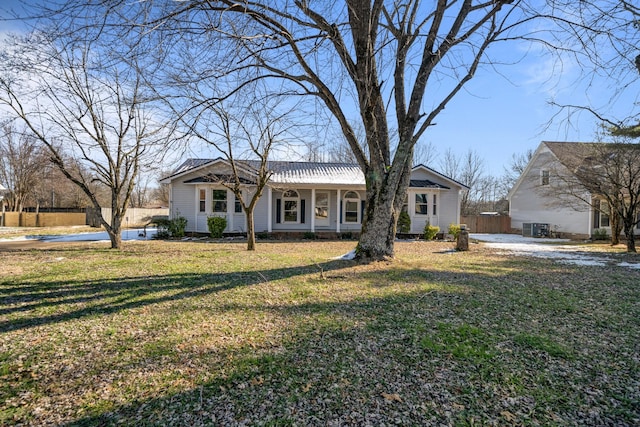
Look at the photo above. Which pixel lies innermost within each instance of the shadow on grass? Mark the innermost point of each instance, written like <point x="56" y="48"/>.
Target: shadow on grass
<point x="422" y="357"/>
<point x="99" y="297"/>
<point x="343" y="362"/>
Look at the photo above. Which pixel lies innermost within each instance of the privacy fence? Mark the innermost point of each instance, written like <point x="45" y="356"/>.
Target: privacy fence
<point x="487" y="223"/>
<point x="134" y="217"/>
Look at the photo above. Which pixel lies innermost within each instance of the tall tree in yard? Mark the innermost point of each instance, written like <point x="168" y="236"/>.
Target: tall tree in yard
<point x="22" y="159"/>
<point x="246" y="139"/>
<point x="389" y="68"/>
<point x="88" y="108"/>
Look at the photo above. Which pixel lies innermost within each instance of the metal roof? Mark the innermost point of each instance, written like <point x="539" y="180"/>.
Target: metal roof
<point x="302" y="173"/>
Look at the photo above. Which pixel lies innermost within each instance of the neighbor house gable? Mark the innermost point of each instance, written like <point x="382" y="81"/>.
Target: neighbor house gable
<point x="421" y="173"/>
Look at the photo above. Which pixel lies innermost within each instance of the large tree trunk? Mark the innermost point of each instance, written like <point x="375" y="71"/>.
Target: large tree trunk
<point x="251" y="234"/>
<point x="631" y="238"/>
<point x="378" y="228"/>
<point x="385" y="197"/>
<point x="616" y="227"/>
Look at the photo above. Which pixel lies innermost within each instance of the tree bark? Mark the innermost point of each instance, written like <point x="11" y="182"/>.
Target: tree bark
<point x="251" y="234"/>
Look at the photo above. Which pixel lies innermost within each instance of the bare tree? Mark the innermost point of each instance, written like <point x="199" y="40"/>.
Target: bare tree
<point x="22" y="160"/>
<point x="468" y="170"/>
<point x="603" y="176"/>
<point x="518" y="164"/>
<point x="611" y="172"/>
<point x="424" y="153"/>
<point x="247" y="140"/>
<point x="388" y="67"/>
<point x="89" y="112"/>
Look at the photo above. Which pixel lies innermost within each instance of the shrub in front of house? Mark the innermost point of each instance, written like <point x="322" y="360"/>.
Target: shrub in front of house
<point x="600" y="234"/>
<point x="177" y="226"/>
<point x="454" y="230"/>
<point x="430" y="231"/>
<point x="404" y="222"/>
<point x="170" y="228"/>
<point x="216" y="226"/>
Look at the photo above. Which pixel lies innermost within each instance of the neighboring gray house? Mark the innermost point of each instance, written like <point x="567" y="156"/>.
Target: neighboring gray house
<point x="303" y="197"/>
<point x="540" y="197"/>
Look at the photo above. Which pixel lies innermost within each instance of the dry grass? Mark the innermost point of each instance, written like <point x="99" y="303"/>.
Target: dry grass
<point x="188" y="333"/>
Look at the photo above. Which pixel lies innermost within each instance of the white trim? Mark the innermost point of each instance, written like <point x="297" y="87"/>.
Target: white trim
<point x="313" y="210"/>
<point x="231" y="209"/>
<point x="346" y="200"/>
<point x="269" y="209"/>
<point x="297" y="199"/>
<point x="338" y="204"/>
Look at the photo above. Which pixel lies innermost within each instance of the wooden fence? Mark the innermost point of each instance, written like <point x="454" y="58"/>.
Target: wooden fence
<point x="135" y="217"/>
<point x="42" y="219"/>
<point x="487" y="223"/>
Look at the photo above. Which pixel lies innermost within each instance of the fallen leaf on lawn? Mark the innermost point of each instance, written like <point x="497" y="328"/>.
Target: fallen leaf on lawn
<point x="306" y="387"/>
<point x="508" y="415"/>
<point x="392" y="397"/>
<point x="257" y="381"/>
<point x="458" y="407"/>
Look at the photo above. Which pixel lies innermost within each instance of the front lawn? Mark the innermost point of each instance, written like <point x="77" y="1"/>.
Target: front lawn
<point x="196" y="333"/>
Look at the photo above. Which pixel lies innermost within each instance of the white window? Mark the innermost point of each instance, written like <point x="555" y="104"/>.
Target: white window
<point x="291" y="203"/>
<point x="203" y="200"/>
<point x="604" y="214"/>
<point x="219" y="201"/>
<point x="351" y="208"/>
<point x="422" y="204"/>
<point x="544" y="177"/>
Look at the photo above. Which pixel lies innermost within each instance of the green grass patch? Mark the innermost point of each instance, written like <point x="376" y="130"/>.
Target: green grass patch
<point x="541" y="343"/>
<point x="200" y="333"/>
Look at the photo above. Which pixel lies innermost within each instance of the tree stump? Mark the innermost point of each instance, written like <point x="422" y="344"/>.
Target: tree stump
<point x="462" y="244"/>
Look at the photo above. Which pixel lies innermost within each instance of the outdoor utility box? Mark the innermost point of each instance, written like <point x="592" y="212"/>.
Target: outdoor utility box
<point x="535" y="229"/>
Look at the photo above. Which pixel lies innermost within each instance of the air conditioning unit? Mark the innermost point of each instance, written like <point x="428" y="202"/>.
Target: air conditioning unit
<point x="535" y="229"/>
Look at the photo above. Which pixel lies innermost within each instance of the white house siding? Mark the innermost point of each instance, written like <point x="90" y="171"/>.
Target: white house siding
<point x="530" y="203"/>
<point x="183" y="203"/>
<point x="185" y="198"/>
<point x="449" y="208"/>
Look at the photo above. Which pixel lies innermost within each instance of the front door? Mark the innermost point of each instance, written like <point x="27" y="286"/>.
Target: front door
<point x="322" y="209"/>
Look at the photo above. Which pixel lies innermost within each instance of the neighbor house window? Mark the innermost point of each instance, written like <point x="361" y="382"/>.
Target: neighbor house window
<point x="604" y="214"/>
<point x="544" y="177"/>
<point x="351" y="207"/>
<point x="291" y="202"/>
<point x="219" y="201"/>
<point x="203" y="200"/>
<point x="422" y="204"/>
<point x="435" y="204"/>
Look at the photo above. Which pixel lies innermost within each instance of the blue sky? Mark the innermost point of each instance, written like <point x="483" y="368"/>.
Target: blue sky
<point x="499" y="115"/>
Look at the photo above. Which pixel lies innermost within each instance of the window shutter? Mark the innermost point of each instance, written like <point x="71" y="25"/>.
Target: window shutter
<point x="341" y="205"/>
<point x="596" y="218"/>
<point x="302" y="211"/>
<point x="362" y="206"/>
<point x="278" y="210"/>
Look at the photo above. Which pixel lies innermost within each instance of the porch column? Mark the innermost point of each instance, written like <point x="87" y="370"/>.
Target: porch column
<point x="196" y="206"/>
<point x="338" y="211"/>
<point x="231" y="208"/>
<point x="269" y="209"/>
<point x="313" y="210"/>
